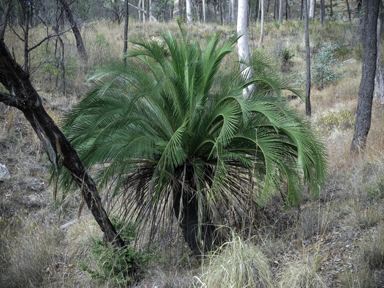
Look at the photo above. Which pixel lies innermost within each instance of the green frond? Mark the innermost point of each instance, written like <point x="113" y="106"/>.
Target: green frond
<point x="169" y="124"/>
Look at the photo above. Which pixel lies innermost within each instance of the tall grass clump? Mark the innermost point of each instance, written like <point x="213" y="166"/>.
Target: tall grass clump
<point x="303" y="273"/>
<point x="30" y="257"/>
<point x="236" y="264"/>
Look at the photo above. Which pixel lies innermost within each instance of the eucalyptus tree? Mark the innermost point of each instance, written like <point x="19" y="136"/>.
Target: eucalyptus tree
<point x="176" y="139"/>
<point x="364" y="105"/>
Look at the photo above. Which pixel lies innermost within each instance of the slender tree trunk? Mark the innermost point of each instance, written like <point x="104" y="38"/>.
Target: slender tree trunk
<point x="322" y="13"/>
<point x="331" y="7"/>
<point x="204" y="11"/>
<point x="312" y="5"/>
<point x="308" y="62"/>
<point x="349" y="11"/>
<point x="189" y="11"/>
<point x="378" y="93"/>
<point x="281" y="11"/>
<point x="242" y="43"/>
<point x="126" y="21"/>
<point x="262" y="23"/>
<point x="232" y="9"/>
<point x="143" y="7"/>
<point x="364" y="106"/>
<point x="301" y="9"/>
<point x="76" y="32"/>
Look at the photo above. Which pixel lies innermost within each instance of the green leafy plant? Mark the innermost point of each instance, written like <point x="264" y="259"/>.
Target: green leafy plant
<point x="324" y="66"/>
<point x="286" y="55"/>
<point x="116" y="266"/>
<point x="342" y="120"/>
<point x="176" y="136"/>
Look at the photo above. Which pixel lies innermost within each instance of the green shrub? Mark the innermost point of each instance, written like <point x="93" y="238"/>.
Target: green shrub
<point x="106" y="264"/>
<point x="324" y="65"/>
<point x="342" y="120"/>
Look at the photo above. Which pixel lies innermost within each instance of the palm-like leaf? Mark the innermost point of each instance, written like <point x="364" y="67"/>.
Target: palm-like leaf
<point x="174" y="134"/>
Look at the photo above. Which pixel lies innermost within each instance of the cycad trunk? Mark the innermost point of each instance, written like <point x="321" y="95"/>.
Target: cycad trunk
<point x="186" y="209"/>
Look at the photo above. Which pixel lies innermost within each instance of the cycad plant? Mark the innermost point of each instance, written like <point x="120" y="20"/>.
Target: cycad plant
<point x="173" y="134"/>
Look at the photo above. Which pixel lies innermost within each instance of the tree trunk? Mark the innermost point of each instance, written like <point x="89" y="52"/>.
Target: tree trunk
<point x="126" y="21"/>
<point x="322" y="13"/>
<point x="331" y="8"/>
<point x="204" y="11"/>
<point x="378" y="93"/>
<point x="262" y="23"/>
<point x="301" y="9"/>
<point x="364" y="106"/>
<point x="312" y="5"/>
<point x="242" y="43"/>
<point x="76" y="32"/>
<point x="308" y="62"/>
<point x="281" y="11"/>
<point x="349" y="11"/>
<point x="232" y="9"/>
<point x="189" y="11"/>
<point x="25" y="98"/>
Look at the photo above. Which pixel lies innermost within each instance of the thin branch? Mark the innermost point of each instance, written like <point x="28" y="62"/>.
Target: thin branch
<point x="47" y="38"/>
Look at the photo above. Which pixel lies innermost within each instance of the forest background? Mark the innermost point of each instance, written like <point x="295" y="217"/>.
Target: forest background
<point x="336" y="240"/>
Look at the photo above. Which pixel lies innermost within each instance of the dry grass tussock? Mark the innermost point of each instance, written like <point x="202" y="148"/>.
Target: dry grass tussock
<point x="333" y="241"/>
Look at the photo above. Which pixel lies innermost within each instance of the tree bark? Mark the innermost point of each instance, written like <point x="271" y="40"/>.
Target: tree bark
<point x="322" y="13"/>
<point x="349" y="11"/>
<point x="331" y="8"/>
<point x="76" y="32"/>
<point x="232" y="9"/>
<point x="311" y="13"/>
<point x="189" y="11"/>
<point x="308" y="62"/>
<point x="203" y="10"/>
<point x="242" y="44"/>
<point x="378" y="93"/>
<point x="262" y="23"/>
<point x="364" y="106"/>
<point x="281" y="11"/>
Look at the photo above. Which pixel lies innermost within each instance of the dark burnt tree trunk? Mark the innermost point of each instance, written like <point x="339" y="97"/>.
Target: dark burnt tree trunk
<point x="76" y="32"/>
<point x="364" y="106"/>
<point x="322" y="12"/>
<point x="308" y="62"/>
<point x="349" y="11"/>
<point x="331" y="7"/>
<point x="185" y="207"/>
<point x="24" y="97"/>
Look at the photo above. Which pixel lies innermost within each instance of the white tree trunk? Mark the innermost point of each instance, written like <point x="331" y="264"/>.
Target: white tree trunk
<point x="262" y="23"/>
<point x="281" y="11"/>
<point x="143" y="7"/>
<point x="176" y="11"/>
<point x="150" y="10"/>
<point x="204" y="11"/>
<point x="378" y="93"/>
<point x="312" y="4"/>
<point x="232" y="9"/>
<point x="242" y="43"/>
<point x="189" y="11"/>
<point x="139" y="5"/>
